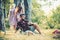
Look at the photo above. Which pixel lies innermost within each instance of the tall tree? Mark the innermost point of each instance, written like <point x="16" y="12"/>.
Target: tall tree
<point x="2" y="22"/>
<point x="0" y="15"/>
<point x="27" y="5"/>
<point x="17" y="2"/>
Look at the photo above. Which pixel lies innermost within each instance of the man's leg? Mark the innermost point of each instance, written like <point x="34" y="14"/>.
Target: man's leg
<point x="37" y="27"/>
<point x="29" y="32"/>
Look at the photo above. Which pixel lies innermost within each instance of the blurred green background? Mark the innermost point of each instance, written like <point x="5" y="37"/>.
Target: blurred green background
<point x="48" y="17"/>
<point x="46" y="13"/>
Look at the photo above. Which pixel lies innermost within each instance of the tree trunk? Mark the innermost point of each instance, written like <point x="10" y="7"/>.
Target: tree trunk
<point x="0" y="16"/>
<point x="17" y="2"/>
<point x="27" y="5"/>
<point x="2" y="21"/>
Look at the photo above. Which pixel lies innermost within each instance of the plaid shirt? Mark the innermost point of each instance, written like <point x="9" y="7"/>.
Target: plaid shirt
<point x="23" y="24"/>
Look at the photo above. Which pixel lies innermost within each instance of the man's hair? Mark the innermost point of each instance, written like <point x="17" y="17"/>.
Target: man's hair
<point x="21" y="15"/>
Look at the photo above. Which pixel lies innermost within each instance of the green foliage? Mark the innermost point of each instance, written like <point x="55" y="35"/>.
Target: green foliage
<point x="38" y="14"/>
<point x="56" y="17"/>
<point x="7" y="23"/>
<point x="50" y="24"/>
<point x="6" y="1"/>
<point x="54" y="20"/>
<point x="6" y="4"/>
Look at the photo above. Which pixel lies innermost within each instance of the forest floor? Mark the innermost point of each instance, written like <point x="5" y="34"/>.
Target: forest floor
<point x="46" y="35"/>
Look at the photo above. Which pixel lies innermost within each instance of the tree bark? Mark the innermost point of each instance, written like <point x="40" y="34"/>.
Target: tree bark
<point x="2" y="21"/>
<point x="27" y="5"/>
